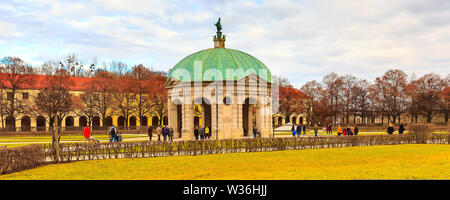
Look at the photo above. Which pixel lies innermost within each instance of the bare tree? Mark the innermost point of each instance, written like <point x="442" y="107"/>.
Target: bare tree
<point x="429" y="86"/>
<point x="333" y="84"/>
<point x="17" y="76"/>
<point x="392" y="87"/>
<point x="349" y="81"/>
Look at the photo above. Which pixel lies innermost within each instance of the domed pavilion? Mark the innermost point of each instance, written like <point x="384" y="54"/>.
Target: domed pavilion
<point x="243" y="100"/>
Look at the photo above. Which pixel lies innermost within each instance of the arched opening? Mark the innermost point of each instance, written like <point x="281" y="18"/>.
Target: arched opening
<point x="203" y="112"/>
<point x="245" y="108"/>
<point x="96" y="121"/>
<point x="287" y="120"/>
<point x="108" y="121"/>
<point x="25" y="123"/>
<point x="294" y="120"/>
<point x="10" y="123"/>
<point x="249" y="116"/>
<point x="155" y="121"/>
<point x="301" y="120"/>
<point x="121" y="121"/>
<point x="165" y="120"/>
<point x="144" y="121"/>
<point x="280" y="121"/>
<point x="196" y="121"/>
<point x="40" y="123"/>
<point x="179" y="115"/>
<point x="82" y="121"/>
<point x="132" y="122"/>
<point x="69" y="121"/>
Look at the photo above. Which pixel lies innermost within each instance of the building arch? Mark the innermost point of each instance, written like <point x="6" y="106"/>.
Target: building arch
<point x="165" y="120"/>
<point x="10" y="123"/>
<point x="121" y="121"/>
<point x="82" y="121"/>
<point x="25" y="123"/>
<point x="132" y="122"/>
<point x="96" y="121"/>
<point x="109" y="121"/>
<point x="155" y="121"/>
<point x="40" y="123"/>
<point x="144" y="121"/>
<point x="69" y="121"/>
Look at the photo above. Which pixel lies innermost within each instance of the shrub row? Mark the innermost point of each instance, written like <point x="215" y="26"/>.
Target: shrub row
<point x="21" y="158"/>
<point x="91" y="151"/>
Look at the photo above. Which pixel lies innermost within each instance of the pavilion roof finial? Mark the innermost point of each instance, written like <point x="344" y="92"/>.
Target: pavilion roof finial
<point x="219" y="39"/>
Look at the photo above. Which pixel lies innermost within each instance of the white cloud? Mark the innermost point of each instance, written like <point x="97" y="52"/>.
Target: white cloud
<point x="301" y="40"/>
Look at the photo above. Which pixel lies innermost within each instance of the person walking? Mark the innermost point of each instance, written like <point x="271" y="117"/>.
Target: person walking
<point x="339" y="130"/>
<point x="326" y="128"/>
<point x="356" y="130"/>
<point x="196" y="133"/>
<point x="299" y="130"/>
<point x="113" y="134"/>
<point x="207" y="132"/>
<point x="202" y="133"/>
<point x="349" y="130"/>
<point x="401" y="129"/>
<point x="316" y="129"/>
<point x="159" y="132"/>
<point x="330" y="128"/>
<point x="87" y="134"/>
<point x="304" y="129"/>
<point x="255" y="131"/>
<point x="171" y="134"/>
<point x="165" y="132"/>
<point x="293" y="129"/>
<point x="390" y="129"/>
<point x="150" y="133"/>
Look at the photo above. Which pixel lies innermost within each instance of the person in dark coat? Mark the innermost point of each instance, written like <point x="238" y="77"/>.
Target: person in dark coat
<point x="349" y="130"/>
<point x="329" y="127"/>
<point x="201" y="131"/>
<point x="150" y="133"/>
<point x="196" y="133"/>
<point x="390" y="129"/>
<point x="304" y="129"/>
<point x="170" y="134"/>
<point x="165" y="132"/>
<point x="255" y="132"/>
<point x="356" y="130"/>
<point x="401" y="129"/>
<point x="299" y="130"/>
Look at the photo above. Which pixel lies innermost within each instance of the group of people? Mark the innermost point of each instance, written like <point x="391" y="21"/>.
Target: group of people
<point x="165" y="131"/>
<point x="202" y="133"/>
<point x="353" y="130"/>
<point x="401" y="129"/>
<point x="114" y="135"/>
<point x="298" y="130"/>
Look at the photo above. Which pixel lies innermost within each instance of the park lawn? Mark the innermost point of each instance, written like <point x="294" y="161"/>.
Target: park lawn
<point x="412" y="161"/>
<point x="23" y="141"/>
<point x="334" y="133"/>
<point x="63" y="138"/>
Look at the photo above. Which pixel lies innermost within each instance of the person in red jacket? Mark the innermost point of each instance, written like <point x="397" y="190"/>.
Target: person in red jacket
<point x="87" y="134"/>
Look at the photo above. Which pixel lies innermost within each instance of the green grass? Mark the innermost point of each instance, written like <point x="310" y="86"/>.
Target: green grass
<point x="10" y="141"/>
<point x="418" y="161"/>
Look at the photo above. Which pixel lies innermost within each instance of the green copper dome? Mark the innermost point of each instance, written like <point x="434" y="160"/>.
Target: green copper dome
<point x="231" y="65"/>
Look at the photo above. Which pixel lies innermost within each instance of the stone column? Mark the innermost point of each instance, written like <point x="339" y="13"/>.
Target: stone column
<point x="188" y="122"/>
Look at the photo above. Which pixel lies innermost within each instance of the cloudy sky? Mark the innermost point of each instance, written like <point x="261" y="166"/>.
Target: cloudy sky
<point x="300" y="40"/>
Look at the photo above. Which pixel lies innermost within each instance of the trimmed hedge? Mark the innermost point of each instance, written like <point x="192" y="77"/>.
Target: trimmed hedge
<point x="21" y="158"/>
<point x="92" y="151"/>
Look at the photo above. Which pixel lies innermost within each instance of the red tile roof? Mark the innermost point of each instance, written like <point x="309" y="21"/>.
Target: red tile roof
<point x="38" y="82"/>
